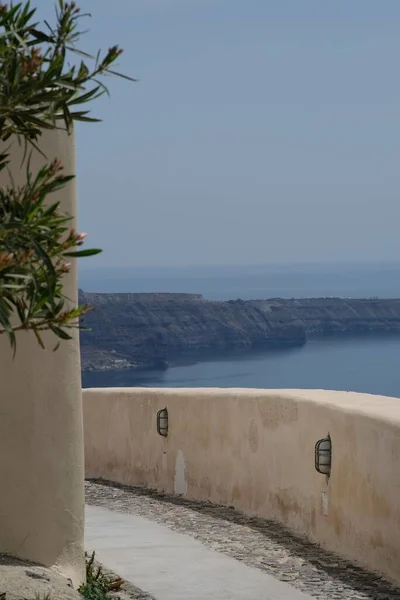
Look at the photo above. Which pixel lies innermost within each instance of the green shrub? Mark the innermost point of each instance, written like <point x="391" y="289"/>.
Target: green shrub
<point x="98" y="586"/>
<point x="45" y="82"/>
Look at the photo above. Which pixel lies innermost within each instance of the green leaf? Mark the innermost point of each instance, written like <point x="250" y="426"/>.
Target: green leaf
<point x="90" y="95"/>
<point x="13" y="286"/>
<point x="121" y="75"/>
<point x="79" y="52"/>
<point x="66" y="85"/>
<point x="17" y="276"/>
<point x="63" y="335"/>
<point x="5" y="323"/>
<point x="39" y="339"/>
<point x="81" y="116"/>
<point x="45" y="257"/>
<point x="20" y="40"/>
<point x="75" y="313"/>
<point x="82" y="253"/>
<point x="40" y="36"/>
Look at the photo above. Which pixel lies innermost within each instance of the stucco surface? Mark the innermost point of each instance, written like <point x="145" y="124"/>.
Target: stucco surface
<point x="41" y="436"/>
<point x="254" y="450"/>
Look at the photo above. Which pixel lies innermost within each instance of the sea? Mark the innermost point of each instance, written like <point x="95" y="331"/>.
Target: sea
<point x="353" y="363"/>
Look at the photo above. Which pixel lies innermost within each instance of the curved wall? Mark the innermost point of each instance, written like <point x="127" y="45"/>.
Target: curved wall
<point x="254" y="449"/>
<point x="41" y="437"/>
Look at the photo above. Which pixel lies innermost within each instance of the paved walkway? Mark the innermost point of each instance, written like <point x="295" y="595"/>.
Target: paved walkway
<point x="178" y="549"/>
<point x="174" y="566"/>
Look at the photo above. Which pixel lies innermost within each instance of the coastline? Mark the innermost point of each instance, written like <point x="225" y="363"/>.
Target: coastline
<point x="152" y="332"/>
<point x="239" y="355"/>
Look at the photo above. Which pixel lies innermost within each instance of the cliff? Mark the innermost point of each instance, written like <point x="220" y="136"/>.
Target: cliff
<point x="152" y="330"/>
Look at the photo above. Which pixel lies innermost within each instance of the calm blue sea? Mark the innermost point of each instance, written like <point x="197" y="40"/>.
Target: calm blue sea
<point x="364" y="364"/>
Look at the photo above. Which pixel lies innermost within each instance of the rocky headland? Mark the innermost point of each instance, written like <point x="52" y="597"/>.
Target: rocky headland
<point x="151" y="331"/>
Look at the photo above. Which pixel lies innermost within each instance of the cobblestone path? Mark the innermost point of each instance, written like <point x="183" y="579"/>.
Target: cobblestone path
<point x="257" y="542"/>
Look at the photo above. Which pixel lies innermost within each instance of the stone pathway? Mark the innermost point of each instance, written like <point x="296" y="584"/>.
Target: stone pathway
<point x="174" y="566"/>
<point x="258" y="543"/>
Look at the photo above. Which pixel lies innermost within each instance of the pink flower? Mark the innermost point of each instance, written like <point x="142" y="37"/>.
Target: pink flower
<point x="79" y="238"/>
<point x="66" y="267"/>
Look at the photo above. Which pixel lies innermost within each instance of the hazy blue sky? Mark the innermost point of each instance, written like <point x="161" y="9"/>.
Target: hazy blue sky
<point x="260" y="131"/>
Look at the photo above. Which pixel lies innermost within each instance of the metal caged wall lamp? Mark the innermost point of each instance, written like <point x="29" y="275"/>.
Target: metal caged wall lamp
<point x="323" y="456"/>
<point x="162" y="422"/>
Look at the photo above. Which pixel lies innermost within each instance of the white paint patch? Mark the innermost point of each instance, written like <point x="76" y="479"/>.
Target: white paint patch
<point x="324" y="502"/>
<point x="180" y="483"/>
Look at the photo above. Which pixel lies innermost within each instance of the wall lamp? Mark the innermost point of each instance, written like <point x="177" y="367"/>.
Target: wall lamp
<point x="162" y="422"/>
<point x="323" y="456"/>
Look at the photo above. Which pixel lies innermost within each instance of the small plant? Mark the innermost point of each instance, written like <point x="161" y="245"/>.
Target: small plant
<point x="98" y="586"/>
<point x="44" y="80"/>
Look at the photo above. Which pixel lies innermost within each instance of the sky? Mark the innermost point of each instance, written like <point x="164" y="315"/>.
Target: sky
<point x="259" y="132"/>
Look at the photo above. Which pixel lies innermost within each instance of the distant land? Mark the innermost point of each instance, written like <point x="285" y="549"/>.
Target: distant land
<point x="254" y="282"/>
<point x="147" y="331"/>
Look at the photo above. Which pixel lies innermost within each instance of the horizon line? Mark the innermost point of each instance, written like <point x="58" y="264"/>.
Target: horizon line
<point x="243" y="266"/>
